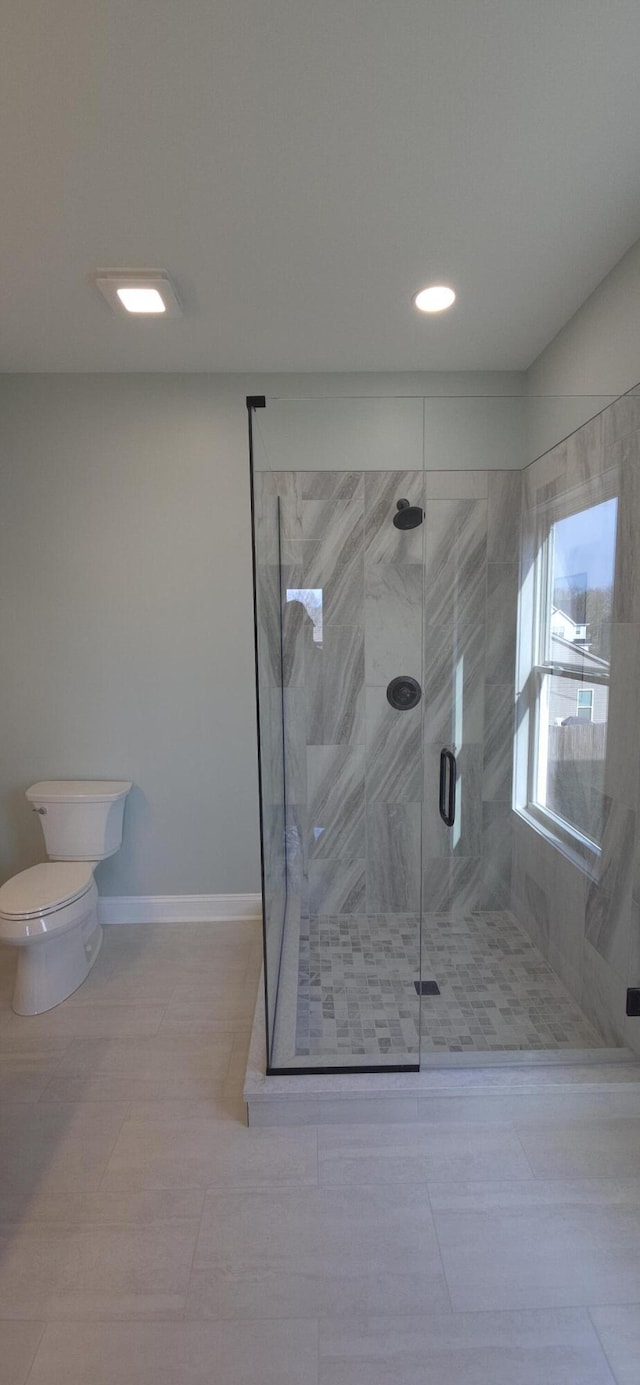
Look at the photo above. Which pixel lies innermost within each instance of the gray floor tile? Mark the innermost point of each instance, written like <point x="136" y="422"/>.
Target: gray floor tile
<point x="575" y="1149"/>
<point x="316" y="1252"/>
<point x="526" y="1348"/>
<point x="191" y="1353"/>
<point x="18" y="1345"/>
<point x="619" y="1331"/>
<point x="412" y="1153"/>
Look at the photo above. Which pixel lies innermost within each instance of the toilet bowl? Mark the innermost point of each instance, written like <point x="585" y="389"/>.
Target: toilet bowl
<point x="50" y="911"/>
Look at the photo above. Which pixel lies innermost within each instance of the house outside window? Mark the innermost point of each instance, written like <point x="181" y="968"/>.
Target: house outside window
<point x="569" y="683"/>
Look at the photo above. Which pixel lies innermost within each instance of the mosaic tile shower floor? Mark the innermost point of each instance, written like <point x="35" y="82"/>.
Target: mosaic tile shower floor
<point x="356" y="991"/>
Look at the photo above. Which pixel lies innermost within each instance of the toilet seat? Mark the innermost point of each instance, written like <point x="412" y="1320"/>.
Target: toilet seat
<point x="42" y="891"/>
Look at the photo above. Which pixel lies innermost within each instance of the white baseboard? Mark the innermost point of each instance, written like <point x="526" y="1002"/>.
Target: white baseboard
<point x="178" y="908"/>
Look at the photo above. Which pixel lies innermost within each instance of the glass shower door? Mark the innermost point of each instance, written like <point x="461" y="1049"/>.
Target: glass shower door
<point x="471" y="589"/>
<point x="347" y="995"/>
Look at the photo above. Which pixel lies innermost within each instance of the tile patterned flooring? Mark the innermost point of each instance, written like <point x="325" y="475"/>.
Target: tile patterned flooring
<point x="356" y="992"/>
<point x="147" y="1237"/>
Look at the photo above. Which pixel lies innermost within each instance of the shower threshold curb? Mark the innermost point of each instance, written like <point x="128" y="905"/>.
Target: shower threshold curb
<point x="481" y="1087"/>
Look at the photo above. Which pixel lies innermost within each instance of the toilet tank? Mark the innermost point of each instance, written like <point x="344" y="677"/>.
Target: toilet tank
<point x="81" y="819"/>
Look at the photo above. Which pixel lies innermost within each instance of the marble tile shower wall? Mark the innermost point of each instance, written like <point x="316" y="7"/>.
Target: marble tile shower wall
<point x="437" y="603"/>
<point x="585" y="919"/>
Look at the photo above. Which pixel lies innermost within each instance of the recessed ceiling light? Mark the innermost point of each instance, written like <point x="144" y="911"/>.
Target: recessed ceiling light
<point x="434" y="299"/>
<point x="141" y="300"/>
<point x="145" y="292"/>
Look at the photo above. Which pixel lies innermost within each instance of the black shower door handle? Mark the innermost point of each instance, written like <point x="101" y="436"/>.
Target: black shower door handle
<point x="447" y="801"/>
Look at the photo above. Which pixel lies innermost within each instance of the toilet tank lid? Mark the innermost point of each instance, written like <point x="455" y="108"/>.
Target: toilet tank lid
<point x="78" y="791"/>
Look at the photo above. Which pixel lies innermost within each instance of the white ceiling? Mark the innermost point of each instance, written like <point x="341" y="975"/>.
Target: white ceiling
<point x="301" y="167"/>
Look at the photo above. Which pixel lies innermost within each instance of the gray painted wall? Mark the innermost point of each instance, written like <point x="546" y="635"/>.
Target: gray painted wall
<point x="126" y="618"/>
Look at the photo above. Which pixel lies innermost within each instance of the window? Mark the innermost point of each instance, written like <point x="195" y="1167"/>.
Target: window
<point x="571" y="667"/>
<point x="584" y="708"/>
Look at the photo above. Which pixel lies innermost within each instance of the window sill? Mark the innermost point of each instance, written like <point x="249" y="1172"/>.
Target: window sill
<point x="581" y="853"/>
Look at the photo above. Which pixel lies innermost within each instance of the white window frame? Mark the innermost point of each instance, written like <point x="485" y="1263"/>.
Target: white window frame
<point x="580" y="706"/>
<point x="595" y="492"/>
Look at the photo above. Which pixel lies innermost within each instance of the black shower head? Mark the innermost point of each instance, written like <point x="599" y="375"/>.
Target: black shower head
<point x="407" y="516"/>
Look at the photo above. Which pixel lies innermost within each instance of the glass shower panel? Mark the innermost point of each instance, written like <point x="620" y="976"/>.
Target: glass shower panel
<point x="351" y="608"/>
<point x="448" y="638"/>
<point x="265" y="504"/>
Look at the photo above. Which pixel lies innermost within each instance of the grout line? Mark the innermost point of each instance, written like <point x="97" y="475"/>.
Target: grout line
<point x="517" y="1136"/>
<point x="602" y="1346"/>
<point x="36" y="1353"/>
<point x="435" y="1232"/>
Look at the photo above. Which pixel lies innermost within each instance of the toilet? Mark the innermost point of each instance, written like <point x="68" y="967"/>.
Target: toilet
<point x="50" y="912"/>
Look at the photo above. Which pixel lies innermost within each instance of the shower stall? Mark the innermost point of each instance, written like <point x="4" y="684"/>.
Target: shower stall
<point x="447" y="645"/>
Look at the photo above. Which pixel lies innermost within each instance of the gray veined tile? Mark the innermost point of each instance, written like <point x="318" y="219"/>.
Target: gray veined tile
<point x="334" y="675"/>
<point x="266" y="519"/>
<point x="295" y="745"/>
<point x="603" y="996"/>
<point x="394" y="750"/>
<point x="497" y="847"/>
<point x="393" y="863"/>
<point x="271" y="744"/>
<point x="384" y="543"/>
<point x="297" y="629"/>
<point x="268" y="614"/>
<point x="585" y="452"/>
<point x="466" y="833"/>
<point x="554" y="1347"/>
<point x="335" y="777"/>
<point x="327" y="520"/>
<point x="498" y="742"/>
<point x="437" y="889"/>
<point x="393" y="621"/>
<point x="465" y="884"/>
<point x="337" y="887"/>
<point x="333" y="562"/>
<point x="620" y="774"/>
<point x="502" y="609"/>
<point x="290" y="510"/>
<point x="621" y="417"/>
<point x="626" y="596"/>
<point x="608" y="904"/>
<point x="453" y="682"/>
<point x="436" y="837"/>
<point x="331" y="485"/>
<point x="505" y="495"/>
<point x="455" y="562"/>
